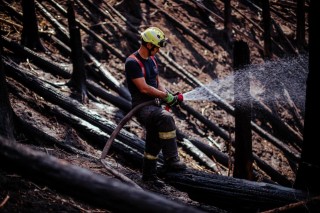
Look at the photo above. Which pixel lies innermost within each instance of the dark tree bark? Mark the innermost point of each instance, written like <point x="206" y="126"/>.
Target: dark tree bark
<point x="182" y="26"/>
<point x="267" y="29"/>
<point x="6" y="112"/>
<point x="30" y="36"/>
<point x="236" y="195"/>
<point x="227" y="21"/>
<point x="300" y="34"/>
<point x="79" y="75"/>
<point x="133" y="9"/>
<point x="308" y="174"/>
<point x="243" y="159"/>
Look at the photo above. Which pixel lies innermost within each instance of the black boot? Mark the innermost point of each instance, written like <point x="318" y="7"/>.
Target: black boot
<point x="174" y="164"/>
<point x="149" y="173"/>
<point x="169" y="149"/>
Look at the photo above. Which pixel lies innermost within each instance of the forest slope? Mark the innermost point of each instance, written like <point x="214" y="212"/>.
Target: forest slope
<point x="197" y="49"/>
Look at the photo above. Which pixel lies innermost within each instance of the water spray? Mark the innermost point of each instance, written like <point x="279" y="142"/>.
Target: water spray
<point x="286" y="74"/>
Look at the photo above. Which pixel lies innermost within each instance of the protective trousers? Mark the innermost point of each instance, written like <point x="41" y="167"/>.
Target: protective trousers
<point x="160" y="132"/>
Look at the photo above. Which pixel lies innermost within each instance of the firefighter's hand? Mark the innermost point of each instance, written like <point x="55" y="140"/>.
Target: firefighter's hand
<point x="173" y="100"/>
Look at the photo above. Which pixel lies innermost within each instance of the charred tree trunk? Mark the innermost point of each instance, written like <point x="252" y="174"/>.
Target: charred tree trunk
<point x="236" y="195"/>
<point x="267" y="29"/>
<point x="300" y="34"/>
<point x="6" y="112"/>
<point x="79" y="75"/>
<point x="227" y="22"/>
<point x="243" y="135"/>
<point x="308" y="174"/>
<point x="30" y="36"/>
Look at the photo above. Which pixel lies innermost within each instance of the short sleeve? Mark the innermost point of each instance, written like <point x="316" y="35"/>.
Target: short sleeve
<point x="133" y="69"/>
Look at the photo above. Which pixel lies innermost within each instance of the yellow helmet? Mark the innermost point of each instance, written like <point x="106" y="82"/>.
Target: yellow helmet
<point x="154" y="36"/>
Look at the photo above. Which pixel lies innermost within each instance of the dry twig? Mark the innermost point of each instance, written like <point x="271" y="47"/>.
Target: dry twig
<point x="4" y="201"/>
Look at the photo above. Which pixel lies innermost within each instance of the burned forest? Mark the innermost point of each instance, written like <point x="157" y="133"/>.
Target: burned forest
<point x="69" y="138"/>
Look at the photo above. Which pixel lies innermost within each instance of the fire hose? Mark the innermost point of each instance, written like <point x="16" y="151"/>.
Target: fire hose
<point x="126" y="118"/>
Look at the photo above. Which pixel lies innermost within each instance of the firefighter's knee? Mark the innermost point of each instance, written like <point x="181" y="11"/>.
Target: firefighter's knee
<point x="166" y="123"/>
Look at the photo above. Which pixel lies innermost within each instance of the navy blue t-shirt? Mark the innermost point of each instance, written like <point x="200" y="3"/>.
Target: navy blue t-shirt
<point x="133" y="70"/>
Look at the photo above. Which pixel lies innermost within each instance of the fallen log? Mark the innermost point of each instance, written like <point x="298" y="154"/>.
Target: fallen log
<point x="109" y="78"/>
<point x="11" y="10"/>
<point x="279" y="30"/>
<point x="94" y="18"/>
<point x="208" y="150"/>
<point x="223" y="159"/>
<point x="36" y="58"/>
<point x="215" y="128"/>
<point x="199" y="155"/>
<point x="131" y="149"/>
<point x="219" y="18"/>
<point x="118" y="101"/>
<point x="232" y="193"/>
<point x="292" y="135"/>
<point x="83" y="184"/>
<point x="273" y="173"/>
<point x="113" y="50"/>
<point x="59" y="27"/>
<point x="36" y="133"/>
<point x="56" y="69"/>
<point x="133" y="28"/>
<point x="182" y="27"/>
<point x="256" y="8"/>
<point x="294" y="109"/>
<point x="52" y="95"/>
<point x="96" y="67"/>
<point x="123" y="30"/>
<point x="286" y="5"/>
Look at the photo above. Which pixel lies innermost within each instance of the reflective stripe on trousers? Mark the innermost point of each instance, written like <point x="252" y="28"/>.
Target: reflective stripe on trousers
<point x="150" y="157"/>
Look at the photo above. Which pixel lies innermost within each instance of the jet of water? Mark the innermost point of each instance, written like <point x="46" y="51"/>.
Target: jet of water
<point x="266" y="82"/>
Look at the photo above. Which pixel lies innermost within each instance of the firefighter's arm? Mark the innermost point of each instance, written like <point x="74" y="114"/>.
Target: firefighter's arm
<point x="169" y="98"/>
<point x="161" y="86"/>
<point x="144" y="88"/>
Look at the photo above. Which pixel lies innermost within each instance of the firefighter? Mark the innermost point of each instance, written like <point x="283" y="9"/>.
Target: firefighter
<point x="142" y="76"/>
